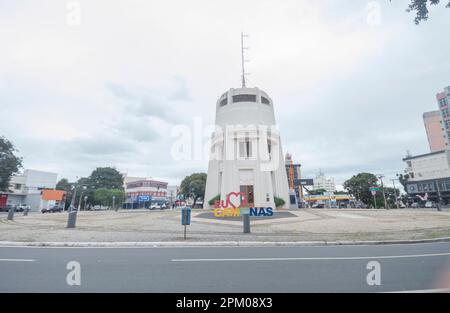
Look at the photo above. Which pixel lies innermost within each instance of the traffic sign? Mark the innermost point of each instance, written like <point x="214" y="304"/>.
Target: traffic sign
<point x="374" y="189"/>
<point x="374" y="192"/>
<point x="144" y="198"/>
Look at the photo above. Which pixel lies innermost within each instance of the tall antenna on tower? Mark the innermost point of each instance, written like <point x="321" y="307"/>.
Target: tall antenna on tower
<point x="243" y="59"/>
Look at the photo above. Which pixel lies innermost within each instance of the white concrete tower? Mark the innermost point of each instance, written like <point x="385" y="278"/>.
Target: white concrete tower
<point x="246" y="153"/>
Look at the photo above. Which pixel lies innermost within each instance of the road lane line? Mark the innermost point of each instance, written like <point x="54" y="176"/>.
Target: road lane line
<point x="17" y="260"/>
<point x="317" y="258"/>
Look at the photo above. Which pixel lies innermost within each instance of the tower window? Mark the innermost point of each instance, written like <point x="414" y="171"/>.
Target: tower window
<point x="244" y="98"/>
<point x="265" y="100"/>
<point x="224" y="102"/>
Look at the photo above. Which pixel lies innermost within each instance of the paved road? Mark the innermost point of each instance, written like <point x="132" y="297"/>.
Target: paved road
<point x="225" y="269"/>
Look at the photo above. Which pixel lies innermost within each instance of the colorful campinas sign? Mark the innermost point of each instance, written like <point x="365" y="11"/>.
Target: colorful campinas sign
<point x="236" y="204"/>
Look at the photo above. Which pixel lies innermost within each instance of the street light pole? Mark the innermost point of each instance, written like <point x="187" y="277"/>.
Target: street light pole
<point x="72" y="218"/>
<point x="81" y="195"/>
<point x="438" y="204"/>
<point x="114" y="202"/>
<point x="382" y="188"/>
<point x="395" y="192"/>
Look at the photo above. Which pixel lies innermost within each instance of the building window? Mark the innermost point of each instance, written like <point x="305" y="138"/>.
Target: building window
<point x="244" y="98"/>
<point x="264" y="100"/>
<point x="17" y="186"/>
<point x="224" y="102"/>
<point x="245" y="149"/>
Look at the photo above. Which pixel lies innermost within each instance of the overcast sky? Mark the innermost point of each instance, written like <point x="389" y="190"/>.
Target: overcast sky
<point x="349" y="95"/>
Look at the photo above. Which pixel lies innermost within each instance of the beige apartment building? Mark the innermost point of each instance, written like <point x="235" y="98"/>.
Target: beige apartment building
<point x="436" y="134"/>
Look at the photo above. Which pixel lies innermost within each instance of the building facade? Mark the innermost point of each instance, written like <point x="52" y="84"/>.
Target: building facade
<point x="143" y="193"/>
<point x="436" y="133"/>
<point x="443" y="99"/>
<point x="429" y="174"/>
<point x="323" y="182"/>
<point x="27" y="188"/>
<point x="246" y="154"/>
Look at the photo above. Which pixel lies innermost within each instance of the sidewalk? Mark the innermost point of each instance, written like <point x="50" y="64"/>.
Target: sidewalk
<point x="323" y="225"/>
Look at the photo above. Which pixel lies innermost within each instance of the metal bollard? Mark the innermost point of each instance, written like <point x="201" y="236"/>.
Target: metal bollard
<point x="246" y="218"/>
<point x="25" y="212"/>
<point x="11" y="214"/>
<point x="72" y="219"/>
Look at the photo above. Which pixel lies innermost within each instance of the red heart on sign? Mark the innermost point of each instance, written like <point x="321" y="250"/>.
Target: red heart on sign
<point x="235" y="194"/>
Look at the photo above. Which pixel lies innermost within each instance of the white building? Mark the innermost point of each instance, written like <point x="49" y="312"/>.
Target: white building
<point x="428" y="166"/>
<point x="26" y="188"/>
<point x="246" y="153"/>
<point x="323" y="182"/>
<point x="429" y="174"/>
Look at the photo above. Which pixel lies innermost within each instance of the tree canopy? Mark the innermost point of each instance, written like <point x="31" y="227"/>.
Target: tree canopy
<point x="420" y="7"/>
<point x="194" y="186"/>
<point x="105" y="177"/>
<point x="359" y="186"/>
<point x="105" y="196"/>
<point x="9" y="163"/>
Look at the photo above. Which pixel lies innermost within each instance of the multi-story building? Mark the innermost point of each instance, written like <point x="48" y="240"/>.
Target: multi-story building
<point x="322" y="182"/>
<point x="27" y="188"/>
<point x="436" y="134"/>
<point x="428" y="174"/>
<point x="143" y="193"/>
<point x="443" y="99"/>
<point x="293" y="175"/>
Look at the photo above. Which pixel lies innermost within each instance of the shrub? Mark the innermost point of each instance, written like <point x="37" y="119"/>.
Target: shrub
<point x="211" y="202"/>
<point x="279" y="202"/>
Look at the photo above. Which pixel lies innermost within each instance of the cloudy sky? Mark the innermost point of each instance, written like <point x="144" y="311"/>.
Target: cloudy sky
<point x="108" y="89"/>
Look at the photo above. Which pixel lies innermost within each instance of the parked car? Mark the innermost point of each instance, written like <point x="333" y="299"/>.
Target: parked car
<point x="318" y="206"/>
<point x="429" y="205"/>
<point x="415" y="205"/>
<point x="53" y="209"/>
<point x="99" y="208"/>
<point x="22" y="207"/>
<point x="158" y="206"/>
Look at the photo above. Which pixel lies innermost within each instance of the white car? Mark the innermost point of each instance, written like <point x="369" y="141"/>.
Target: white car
<point x="22" y="207"/>
<point x="158" y="206"/>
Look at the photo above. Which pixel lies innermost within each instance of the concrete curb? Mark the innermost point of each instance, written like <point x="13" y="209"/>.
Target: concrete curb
<point x="213" y="244"/>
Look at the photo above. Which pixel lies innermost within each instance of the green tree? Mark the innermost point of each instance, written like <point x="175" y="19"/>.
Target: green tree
<point x="359" y="186"/>
<point x="317" y="192"/>
<point x="9" y="163"/>
<point x="194" y="186"/>
<point x="104" y="177"/>
<point x="420" y="7"/>
<point x="105" y="197"/>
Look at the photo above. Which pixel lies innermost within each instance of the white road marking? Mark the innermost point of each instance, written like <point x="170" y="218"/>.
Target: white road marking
<point x="317" y="258"/>
<point x="17" y="260"/>
<point x="442" y="290"/>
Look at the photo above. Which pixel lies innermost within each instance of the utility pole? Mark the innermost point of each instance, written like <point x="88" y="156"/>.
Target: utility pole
<point x="438" y="204"/>
<point x="382" y="189"/>
<point x="395" y="192"/>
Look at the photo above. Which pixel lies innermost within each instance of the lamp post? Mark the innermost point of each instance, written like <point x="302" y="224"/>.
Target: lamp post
<point x="114" y="202"/>
<point x="85" y="199"/>
<point x="438" y="204"/>
<point x="81" y="195"/>
<point x="395" y="193"/>
<point x="72" y="218"/>
<point x="382" y="189"/>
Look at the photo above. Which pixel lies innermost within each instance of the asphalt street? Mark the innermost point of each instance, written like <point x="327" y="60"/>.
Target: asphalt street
<point x="410" y="267"/>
